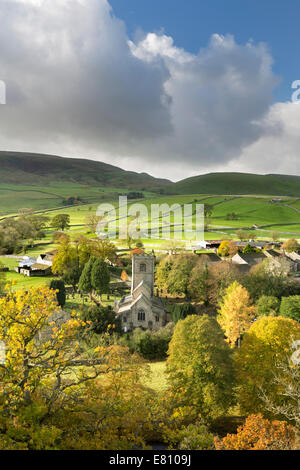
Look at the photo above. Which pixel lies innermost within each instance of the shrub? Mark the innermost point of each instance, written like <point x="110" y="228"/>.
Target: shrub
<point x="59" y="285"/>
<point x="268" y="305"/>
<point x="290" y="307"/>
<point x="152" y="345"/>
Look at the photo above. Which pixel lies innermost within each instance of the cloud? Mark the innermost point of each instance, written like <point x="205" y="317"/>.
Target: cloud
<point x="76" y="85"/>
<point x="277" y="150"/>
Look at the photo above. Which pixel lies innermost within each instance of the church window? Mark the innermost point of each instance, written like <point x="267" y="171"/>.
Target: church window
<point x="141" y="315"/>
<point x="142" y="268"/>
<point x="157" y="318"/>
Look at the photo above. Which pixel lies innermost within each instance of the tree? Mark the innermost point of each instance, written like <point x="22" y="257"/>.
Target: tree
<point x="103" y="249"/>
<point x="265" y="344"/>
<point x="69" y="260"/>
<point x="274" y="236"/>
<point x="181" y="311"/>
<point x="198" y="285"/>
<point x="200" y="368"/>
<point x="178" y="278"/>
<point x="249" y="249"/>
<point x="91" y="222"/>
<point x="236" y="313"/>
<point x="286" y="377"/>
<point x="227" y="248"/>
<point x="221" y="276"/>
<point x="267" y="305"/>
<point x="291" y="245"/>
<point x="290" y="307"/>
<point x="59" y="286"/>
<point x="260" y="281"/>
<point x="260" y="434"/>
<point x="43" y="394"/>
<point x="102" y="319"/>
<point x="242" y="234"/>
<point x="162" y="272"/>
<point x="60" y="222"/>
<point x="85" y="283"/>
<point x="100" y="277"/>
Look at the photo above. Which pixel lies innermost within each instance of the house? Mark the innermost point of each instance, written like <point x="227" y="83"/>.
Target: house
<point x="141" y="308"/>
<point x="212" y="245"/>
<point x="209" y="258"/>
<point x="249" y="259"/>
<point x="294" y="257"/>
<point x="46" y="258"/>
<point x="40" y="266"/>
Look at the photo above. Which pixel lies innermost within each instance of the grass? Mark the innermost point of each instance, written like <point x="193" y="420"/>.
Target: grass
<point x="157" y="379"/>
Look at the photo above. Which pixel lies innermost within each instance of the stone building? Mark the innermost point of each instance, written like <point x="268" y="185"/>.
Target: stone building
<point x="141" y="308"/>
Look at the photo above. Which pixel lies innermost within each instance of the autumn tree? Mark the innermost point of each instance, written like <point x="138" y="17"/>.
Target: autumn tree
<point x="200" y="368"/>
<point x="291" y="245"/>
<point x="227" y="248"/>
<point x="91" y="222"/>
<point x="286" y="377"/>
<point x="52" y="392"/>
<point x="242" y="234"/>
<point x="69" y="260"/>
<point x="103" y="249"/>
<point x="260" y="434"/>
<point x="264" y="345"/>
<point x="60" y="222"/>
<point x="236" y="313"/>
<point x="221" y="276"/>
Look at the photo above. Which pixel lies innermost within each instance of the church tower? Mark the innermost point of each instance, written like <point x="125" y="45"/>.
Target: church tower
<point x="142" y="270"/>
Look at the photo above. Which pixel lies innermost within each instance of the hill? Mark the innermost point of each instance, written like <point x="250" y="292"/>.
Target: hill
<point x="29" y="169"/>
<point x="237" y="184"/>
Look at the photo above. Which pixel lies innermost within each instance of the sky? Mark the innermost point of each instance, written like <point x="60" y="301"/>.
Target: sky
<point x="174" y="88"/>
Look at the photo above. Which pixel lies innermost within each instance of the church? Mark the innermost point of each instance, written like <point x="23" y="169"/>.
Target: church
<point x="141" y="308"/>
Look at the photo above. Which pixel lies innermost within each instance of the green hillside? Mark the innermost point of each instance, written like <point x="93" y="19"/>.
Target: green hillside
<point x="237" y="183"/>
<point x="28" y="169"/>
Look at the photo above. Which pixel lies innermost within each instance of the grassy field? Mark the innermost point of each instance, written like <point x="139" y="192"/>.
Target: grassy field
<point x="157" y="379"/>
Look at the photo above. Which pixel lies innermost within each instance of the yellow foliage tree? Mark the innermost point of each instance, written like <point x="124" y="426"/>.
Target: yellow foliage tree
<point x="236" y="313"/>
<point x="265" y="346"/>
<point x="44" y="371"/>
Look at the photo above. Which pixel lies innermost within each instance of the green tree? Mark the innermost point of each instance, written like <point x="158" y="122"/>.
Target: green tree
<point x="181" y="311"/>
<point x="162" y="272"/>
<point x="59" y="286"/>
<point x="179" y="276"/>
<point x="267" y="305"/>
<point x="200" y="368"/>
<point x="61" y="222"/>
<point x="198" y="286"/>
<point x="102" y="319"/>
<point x="85" y="282"/>
<point x="290" y="307"/>
<point x="100" y="277"/>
